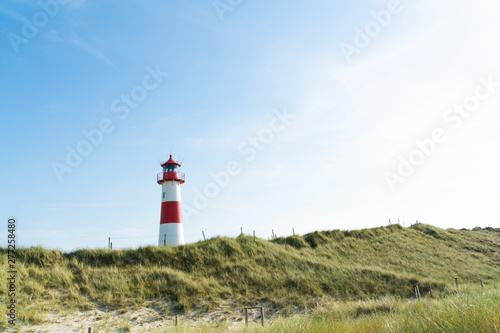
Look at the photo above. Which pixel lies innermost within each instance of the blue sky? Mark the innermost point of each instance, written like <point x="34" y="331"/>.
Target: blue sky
<point x="338" y="115"/>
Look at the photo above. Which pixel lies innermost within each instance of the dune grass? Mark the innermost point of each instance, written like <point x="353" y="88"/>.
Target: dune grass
<point x="468" y="309"/>
<point x="330" y="265"/>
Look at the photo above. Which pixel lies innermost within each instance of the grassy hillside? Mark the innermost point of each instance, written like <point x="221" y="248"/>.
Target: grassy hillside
<point x="340" y="265"/>
<point x="470" y="309"/>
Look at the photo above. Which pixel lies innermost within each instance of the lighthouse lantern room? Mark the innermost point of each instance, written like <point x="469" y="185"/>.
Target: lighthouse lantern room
<point x="170" y="179"/>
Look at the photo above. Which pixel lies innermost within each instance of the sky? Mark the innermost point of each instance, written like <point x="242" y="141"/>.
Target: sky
<point x="287" y="116"/>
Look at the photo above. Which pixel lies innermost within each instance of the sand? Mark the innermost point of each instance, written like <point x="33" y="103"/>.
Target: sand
<point x="141" y="319"/>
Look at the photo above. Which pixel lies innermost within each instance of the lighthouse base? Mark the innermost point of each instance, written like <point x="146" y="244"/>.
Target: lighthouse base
<point x="173" y="233"/>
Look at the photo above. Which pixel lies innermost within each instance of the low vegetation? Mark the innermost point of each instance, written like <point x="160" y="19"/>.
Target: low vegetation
<point x="317" y="268"/>
<point x="466" y="309"/>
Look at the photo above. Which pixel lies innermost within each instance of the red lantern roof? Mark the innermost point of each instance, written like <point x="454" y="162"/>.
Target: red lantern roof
<point x="170" y="162"/>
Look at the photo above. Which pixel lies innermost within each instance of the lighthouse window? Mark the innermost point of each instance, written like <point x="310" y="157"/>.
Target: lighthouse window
<point x="170" y="168"/>
<point x="163" y="195"/>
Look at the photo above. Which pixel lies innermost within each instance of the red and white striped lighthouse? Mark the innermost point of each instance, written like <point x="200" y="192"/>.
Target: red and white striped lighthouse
<point x="170" y="179"/>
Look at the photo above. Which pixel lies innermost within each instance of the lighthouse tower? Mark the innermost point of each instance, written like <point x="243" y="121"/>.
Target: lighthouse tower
<point x="170" y="179"/>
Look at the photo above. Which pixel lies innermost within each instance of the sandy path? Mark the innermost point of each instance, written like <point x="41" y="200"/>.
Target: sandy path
<point x="143" y="319"/>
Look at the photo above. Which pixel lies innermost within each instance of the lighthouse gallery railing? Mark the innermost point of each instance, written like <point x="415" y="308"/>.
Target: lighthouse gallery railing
<point x="171" y="176"/>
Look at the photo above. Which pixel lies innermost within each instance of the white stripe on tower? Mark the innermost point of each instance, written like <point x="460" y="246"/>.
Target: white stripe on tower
<point x="171" y="230"/>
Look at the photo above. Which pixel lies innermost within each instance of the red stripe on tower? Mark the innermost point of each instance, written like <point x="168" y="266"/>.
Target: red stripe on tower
<point x="171" y="212"/>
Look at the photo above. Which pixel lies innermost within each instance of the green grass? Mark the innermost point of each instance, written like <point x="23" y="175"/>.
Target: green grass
<point x="341" y="266"/>
<point x="467" y="311"/>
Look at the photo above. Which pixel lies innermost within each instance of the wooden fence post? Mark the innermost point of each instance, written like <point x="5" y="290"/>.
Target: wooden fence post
<point x="262" y="314"/>
<point x="111" y="245"/>
<point x="90" y="330"/>
<point x="254" y="236"/>
<point x="165" y="239"/>
<point x="176" y="321"/>
<point x="430" y="291"/>
<point x="481" y="281"/>
<point x="203" y="232"/>
<point x="293" y="231"/>
<point x="456" y="281"/>
<point x="285" y="244"/>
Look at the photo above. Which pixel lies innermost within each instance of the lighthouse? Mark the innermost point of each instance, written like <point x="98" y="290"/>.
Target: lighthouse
<point x="170" y="179"/>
